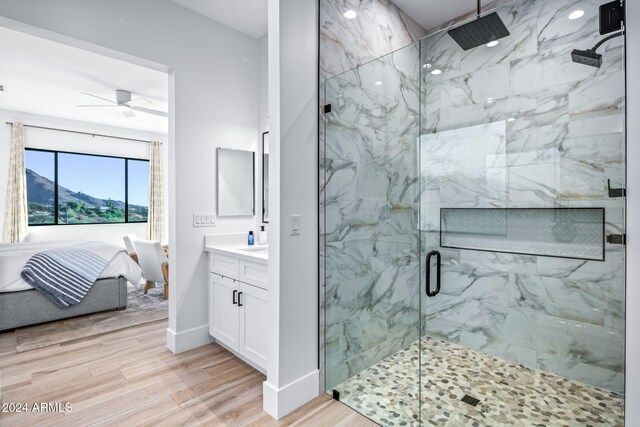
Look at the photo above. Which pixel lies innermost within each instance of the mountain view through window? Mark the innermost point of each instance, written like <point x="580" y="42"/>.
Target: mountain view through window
<point x="90" y="189"/>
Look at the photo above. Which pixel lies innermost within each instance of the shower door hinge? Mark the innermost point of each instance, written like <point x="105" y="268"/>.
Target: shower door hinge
<point x="327" y="108"/>
<point x="617" y="239"/>
<point x="616" y="192"/>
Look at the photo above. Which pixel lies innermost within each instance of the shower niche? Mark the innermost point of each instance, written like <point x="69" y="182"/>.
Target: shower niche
<point x="577" y="233"/>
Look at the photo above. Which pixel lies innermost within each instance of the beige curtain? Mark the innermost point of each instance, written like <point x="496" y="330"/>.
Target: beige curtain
<point x="16" y="213"/>
<point x="155" y="223"/>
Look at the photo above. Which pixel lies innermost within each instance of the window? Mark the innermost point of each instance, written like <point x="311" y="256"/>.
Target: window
<point x="138" y="190"/>
<point x="73" y="188"/>
<point x="40" y="186"/>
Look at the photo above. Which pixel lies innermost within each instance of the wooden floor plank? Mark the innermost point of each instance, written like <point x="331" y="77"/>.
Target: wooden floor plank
<point x="128" y="377"/>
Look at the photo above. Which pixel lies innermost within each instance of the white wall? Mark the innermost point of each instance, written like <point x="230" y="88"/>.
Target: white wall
<point x="50" y="140"/>
<point x="632" y="378"/>
<point x="213" y="96"/>
<point x="292" y="377"/>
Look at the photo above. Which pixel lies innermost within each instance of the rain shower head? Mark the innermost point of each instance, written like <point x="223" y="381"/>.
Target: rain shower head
<point x="587" y="57"/>
<point x="480" y="31"/>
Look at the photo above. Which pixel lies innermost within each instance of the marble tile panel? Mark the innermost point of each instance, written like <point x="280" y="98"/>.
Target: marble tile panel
<point x="511" y="263"/>
<point x="471" y="115"/>
<point x="576" y="180"/>
<point x="596" y="126"/>
<point x="550" y="140"/>
<point x="555" y="29"/>
<point x="540" y="71"/>
<point x="475" y="88"/>
<point x="560" y="298"/>
<point x="597" y="97"/>
<point x="532" y="183"/>
<point x="549" y="106"/>
<point x="379" y="28"/>
<point x="582" y="372"/>
<point x="339" y="178"/>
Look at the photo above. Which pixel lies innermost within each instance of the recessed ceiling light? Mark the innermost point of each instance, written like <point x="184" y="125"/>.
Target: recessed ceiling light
<point x="576" y="14"/>
<point x="511" y="119"/>
<point x="350" y="14"/>
<point x="493" y="43"/>
<point x="489" y="100"/>
<point x="436" y="72"/>
<point x="427" y="66"/>
<point x="378" y="83"/>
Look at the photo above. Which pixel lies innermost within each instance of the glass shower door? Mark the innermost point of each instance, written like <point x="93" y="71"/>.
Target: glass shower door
<point x="522" y="158"/>
<point x="370" y="238"/>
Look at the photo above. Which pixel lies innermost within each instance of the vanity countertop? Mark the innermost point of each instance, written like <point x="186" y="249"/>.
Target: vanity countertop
<point x="255" y="253"/>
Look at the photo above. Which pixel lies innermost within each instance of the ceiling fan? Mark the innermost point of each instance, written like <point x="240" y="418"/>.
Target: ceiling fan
<point x="125" y="104"/>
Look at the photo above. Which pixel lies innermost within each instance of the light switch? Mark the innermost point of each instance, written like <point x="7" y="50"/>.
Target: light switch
<point x="295" y="225"/>
<point x="204" y="220"/>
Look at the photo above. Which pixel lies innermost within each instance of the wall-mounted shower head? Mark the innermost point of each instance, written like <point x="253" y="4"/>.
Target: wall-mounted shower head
<point x="587" y="57"/>
<point x="590" y="56"/>
<point x="480" y="31"/>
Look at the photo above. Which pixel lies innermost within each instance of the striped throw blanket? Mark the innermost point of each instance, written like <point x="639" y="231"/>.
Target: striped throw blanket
<point x="64" y="275"/>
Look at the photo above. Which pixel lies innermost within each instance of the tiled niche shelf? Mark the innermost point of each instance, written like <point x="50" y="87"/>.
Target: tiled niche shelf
<point x="576" y="233"/>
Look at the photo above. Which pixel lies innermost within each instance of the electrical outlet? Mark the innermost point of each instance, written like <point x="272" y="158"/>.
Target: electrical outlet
<point x="294" y="225"/>
<point x="204" y="220"/>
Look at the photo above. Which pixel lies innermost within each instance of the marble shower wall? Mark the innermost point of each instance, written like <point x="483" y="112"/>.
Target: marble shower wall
<point x="379" y="29"/>
<point x="371" y="213"/>
<point x="547" y="133"/>
<point x="362" y="337"/>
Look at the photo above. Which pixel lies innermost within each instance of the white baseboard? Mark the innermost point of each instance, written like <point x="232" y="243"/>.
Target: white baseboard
<point x="280" y="402"/>
<point x="179" y="342"/>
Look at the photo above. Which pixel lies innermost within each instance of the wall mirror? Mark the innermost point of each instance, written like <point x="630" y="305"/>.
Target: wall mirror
<point x="265" y="177"/>
<point x="236" y="182"/>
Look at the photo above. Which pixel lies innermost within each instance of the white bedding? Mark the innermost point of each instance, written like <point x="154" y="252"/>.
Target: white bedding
<point x="13" y="256"/>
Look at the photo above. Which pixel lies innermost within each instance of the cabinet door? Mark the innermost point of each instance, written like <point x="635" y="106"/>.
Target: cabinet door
<point x="253" y="324"/>
<point x="223" y="313"/>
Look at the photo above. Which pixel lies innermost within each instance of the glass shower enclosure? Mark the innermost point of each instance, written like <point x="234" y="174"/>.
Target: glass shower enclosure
<point x="473" y="212"/>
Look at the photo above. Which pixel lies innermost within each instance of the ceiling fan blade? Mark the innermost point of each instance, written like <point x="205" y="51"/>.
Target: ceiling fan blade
<point x="139" y="101"/>
<point x="101" y="105"/>
<point x="99" y="97"/>
<point x="128" y="113"/>
<point x="150" y="111"/>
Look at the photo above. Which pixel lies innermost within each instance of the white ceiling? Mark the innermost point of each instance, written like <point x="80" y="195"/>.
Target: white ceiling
<point x="48" y="78"/>
<point x="246" y="16"/>
<point x="432" y="13"/>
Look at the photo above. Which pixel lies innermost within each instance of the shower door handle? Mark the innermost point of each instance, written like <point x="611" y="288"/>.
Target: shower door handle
<point x="428" y="274"/>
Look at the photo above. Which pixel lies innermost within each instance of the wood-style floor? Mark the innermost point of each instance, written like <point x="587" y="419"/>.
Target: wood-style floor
<point x="129" y="378"/>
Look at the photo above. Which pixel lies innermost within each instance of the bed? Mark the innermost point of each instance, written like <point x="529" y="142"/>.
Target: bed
<point x="21" y="305"/>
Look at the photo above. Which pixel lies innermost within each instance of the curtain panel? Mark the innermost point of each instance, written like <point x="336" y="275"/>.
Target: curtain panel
<point x="155" y="222"/>
<point x="16" y="212"/>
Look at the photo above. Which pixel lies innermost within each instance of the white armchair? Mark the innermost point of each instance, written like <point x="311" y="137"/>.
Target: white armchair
<point x="154" y="264"/>
<point x="131" y="249"/>
<point x="128" y="243"/>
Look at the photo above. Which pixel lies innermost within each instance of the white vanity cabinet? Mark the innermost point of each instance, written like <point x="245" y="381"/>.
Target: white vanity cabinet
<point x="238" y="303"/>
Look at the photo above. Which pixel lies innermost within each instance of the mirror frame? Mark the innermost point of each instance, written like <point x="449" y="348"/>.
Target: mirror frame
<point x="264" y="135"/>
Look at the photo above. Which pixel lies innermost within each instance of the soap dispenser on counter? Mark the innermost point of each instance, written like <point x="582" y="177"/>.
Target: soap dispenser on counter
<point x="262" y="236"/>
<point x="250" y="240"/>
